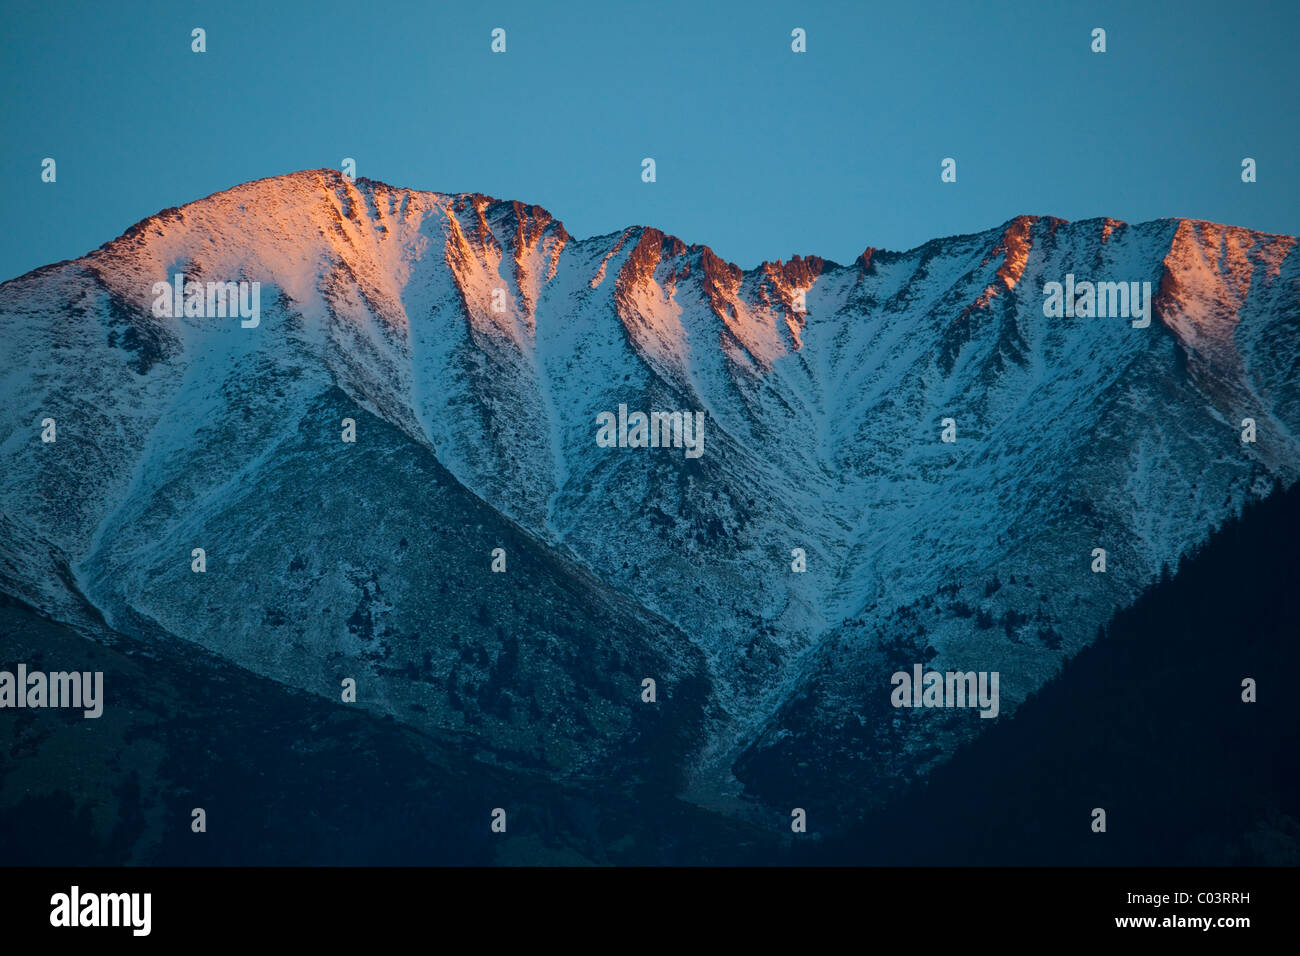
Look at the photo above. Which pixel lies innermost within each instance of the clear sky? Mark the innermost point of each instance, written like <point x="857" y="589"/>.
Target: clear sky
<point x="760" y="152"/>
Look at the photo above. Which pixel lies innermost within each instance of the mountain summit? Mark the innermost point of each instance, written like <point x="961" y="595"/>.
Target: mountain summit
<point x="906" y="461"/>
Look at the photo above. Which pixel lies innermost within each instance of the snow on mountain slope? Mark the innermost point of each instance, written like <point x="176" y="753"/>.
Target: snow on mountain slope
<point x="475" y="342"/>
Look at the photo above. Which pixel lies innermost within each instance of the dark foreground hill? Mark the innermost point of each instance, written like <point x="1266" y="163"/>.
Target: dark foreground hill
<point x="1148" y="724"/>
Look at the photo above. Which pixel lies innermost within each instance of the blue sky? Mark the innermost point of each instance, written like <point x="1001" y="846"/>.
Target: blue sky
<point x="761" y="153"/>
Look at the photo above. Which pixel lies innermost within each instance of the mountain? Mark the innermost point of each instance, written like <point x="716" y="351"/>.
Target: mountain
<point x="474" y="343"/>
<point x="289" y="778"/>
<point x="1149" y="723"/>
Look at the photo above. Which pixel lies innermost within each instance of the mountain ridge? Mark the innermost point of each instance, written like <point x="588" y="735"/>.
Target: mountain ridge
<point x="823" y="434"/>
<point x="331" y="174"/>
